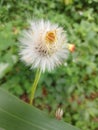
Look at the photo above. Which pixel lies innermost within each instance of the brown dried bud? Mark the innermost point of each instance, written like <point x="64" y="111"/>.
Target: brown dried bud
<point x="59" y="114"/>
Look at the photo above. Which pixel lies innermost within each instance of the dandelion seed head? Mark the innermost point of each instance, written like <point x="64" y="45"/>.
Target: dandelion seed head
<point x="43" y="45"/>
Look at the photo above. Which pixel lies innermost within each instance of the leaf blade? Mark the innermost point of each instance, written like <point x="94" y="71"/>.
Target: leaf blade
<point x="15" y="114"/>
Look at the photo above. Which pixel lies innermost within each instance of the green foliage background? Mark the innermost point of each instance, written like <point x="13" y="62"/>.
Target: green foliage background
<point x="73" y="86"/>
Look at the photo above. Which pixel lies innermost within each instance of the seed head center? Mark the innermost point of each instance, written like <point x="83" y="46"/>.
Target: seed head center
<point x="50" y="37"/>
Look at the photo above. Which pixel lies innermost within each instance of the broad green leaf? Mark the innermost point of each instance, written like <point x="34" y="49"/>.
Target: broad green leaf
<point x="17" y="115"/>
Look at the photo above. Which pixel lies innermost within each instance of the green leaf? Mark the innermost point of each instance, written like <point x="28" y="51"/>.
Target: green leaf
<point x="3" y="69"/>
<point x="2" y="129"/>
<point x="17" y="115"/>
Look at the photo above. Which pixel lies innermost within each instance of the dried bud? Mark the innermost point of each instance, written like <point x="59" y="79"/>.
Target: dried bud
<point x="71" y="47"/>
<point x="59" y="114"/>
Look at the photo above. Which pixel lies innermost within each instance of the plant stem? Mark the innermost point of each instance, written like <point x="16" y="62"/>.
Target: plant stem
<point x="34" y="86"/>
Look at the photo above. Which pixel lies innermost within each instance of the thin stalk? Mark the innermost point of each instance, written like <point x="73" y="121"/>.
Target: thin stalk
<point x="34" y="86"/>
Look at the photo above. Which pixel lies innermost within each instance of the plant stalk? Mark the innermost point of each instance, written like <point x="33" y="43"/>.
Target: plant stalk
<point x="34" y="86"/>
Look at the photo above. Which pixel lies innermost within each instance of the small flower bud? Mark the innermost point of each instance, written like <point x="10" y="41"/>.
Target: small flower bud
<point x="59" y="114"/>
<point x="71" y="47"/>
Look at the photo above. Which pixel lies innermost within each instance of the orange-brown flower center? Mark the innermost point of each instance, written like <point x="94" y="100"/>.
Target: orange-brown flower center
<point x="50" y="36"/>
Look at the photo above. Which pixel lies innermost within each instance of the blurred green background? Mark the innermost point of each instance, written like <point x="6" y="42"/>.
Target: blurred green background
<point x="73" y="86"/>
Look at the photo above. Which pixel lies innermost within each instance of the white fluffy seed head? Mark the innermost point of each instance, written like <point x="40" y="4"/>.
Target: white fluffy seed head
<point x="43" y="45"/>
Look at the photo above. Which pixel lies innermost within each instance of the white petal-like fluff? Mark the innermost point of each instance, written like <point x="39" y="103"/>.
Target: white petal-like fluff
<point x="43" y="45"/>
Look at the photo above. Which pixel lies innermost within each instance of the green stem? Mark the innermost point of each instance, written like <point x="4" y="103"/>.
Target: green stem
<point x="34" y="86"/>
